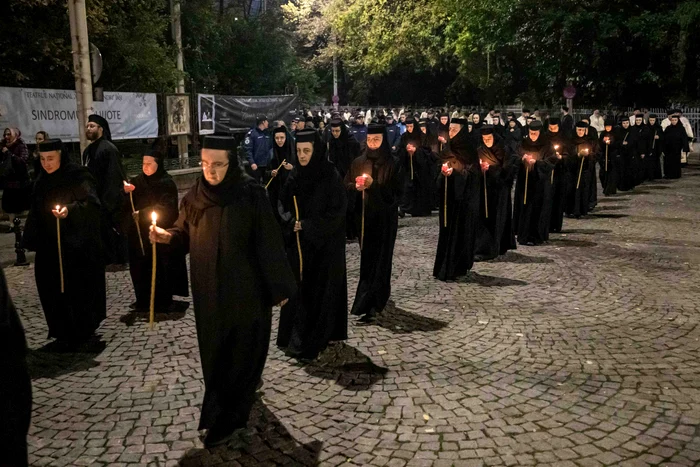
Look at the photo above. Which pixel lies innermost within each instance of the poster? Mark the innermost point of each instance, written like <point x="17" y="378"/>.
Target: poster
<point x="131" y="115"/>
<point x="206" y="114"/>
<point x="177" y="111"/>
<point x="230" y="113"/>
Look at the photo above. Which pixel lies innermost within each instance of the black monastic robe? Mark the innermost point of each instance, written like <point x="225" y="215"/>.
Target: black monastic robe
<point x="74" y="315"/>
<point x="419" y="182"/>
<point x="610" y="162"/>
<point x="15" y="385"/>
<point x="318" y="314"/>
<point x="578" y="186"/>
<point x="102" y="158"/>
<point x="654" y="142"/>
<point x="494" y="233"/>
<point x="560" y="180"/>
<point x="239" y="271"/>
<point x="381" y="223"/>
<point x="156" y="193"/>
<point x="531" y="219"/>
<point x="675" y="142"/>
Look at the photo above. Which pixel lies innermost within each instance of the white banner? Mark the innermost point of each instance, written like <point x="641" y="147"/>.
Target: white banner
<point x="131" y="115"/>
<point x="206" y="109"/>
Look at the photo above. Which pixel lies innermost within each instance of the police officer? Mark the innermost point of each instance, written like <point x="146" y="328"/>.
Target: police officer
<point x="359" y="130"/>
<point x="393" y="132"/>
<point x="258" y="147"/>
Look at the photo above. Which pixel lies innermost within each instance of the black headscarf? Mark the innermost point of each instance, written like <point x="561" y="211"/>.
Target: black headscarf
<point x="318" y="168"/>
<point x="68" y="172"/>
<point x="415" y="137"/>
<point x="462" y="148"/>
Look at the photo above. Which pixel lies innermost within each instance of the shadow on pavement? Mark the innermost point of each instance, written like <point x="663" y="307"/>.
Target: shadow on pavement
<point x="657" y="187"/>
<point x="611" y="208"/>
<point x="513" y="257"/>
<point x="605" y="215"/>
<point x="586" y="231"/>
<point x="347" y="366"/>
<point x="489" y="281"/>
<point x="612" y="199"/>
<point x="400" y="321"/>
<point x="178" y="310"/>
<point x="266" y="441"/>
<point x="53" y="359"/>
<point x="567" y="242"/>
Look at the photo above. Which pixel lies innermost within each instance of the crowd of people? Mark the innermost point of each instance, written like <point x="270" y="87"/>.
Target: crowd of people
<point x="272" y="228"/>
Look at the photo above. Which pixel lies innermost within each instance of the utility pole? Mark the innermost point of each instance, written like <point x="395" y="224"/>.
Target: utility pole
<point x="175" y="15"/>
<point x="80" y="49"/>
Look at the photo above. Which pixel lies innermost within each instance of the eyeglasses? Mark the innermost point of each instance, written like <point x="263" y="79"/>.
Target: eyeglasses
<point x="215" y="165"/>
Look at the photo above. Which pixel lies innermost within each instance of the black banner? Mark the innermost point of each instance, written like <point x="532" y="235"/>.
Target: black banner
<point x="236" y="112"/>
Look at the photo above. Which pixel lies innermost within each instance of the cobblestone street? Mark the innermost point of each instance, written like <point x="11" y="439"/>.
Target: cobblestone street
<point x="581" y="352"/>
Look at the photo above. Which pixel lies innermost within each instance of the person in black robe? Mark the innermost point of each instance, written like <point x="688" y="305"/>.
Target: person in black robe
<point x="496" y="164"/>
<point x="640" y="150"/>
<point x="283" y="149"/>
<point x="318" y="314"/>
<point x="15" y="386"/>
<point x="239" y="270"/>
<point x="74" y="315"/>
<point x="561" y="175"/>
<point x="513" y="136"/>
<point x="577" y="193"/>
<point x="531" y="216"/>
<point x="609" y="158"/>
<point x="654" y="141"/>
<point x="459" y="205"/>
<point x="592" y="174"/>
<point x="417" y="161"/>
<point x="477" y="123"/>
<point x="627" y="151"/>
<point x="444" y="130"/>
<point x="382" y="192"/>
<point x="675" y="142"/>
<point x="153" y="190"/>
<point x="101" y="158"/>
<point x="343" y="149"/>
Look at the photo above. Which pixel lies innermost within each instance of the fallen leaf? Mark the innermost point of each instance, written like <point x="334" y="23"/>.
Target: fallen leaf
<point x="426" y="417"/>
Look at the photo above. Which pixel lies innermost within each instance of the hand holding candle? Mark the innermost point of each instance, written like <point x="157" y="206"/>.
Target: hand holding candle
<point x="363" y="182"/>
<point x="128" y="187"/>
<point x="446" y="169"/>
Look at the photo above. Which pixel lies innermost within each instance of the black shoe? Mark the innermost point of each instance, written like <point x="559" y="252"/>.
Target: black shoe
<point x="402" y="214"/>
<point x="368" y="318"/>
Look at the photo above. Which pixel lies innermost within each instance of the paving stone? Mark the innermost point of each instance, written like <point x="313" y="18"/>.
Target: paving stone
<point x="582" y="351"/>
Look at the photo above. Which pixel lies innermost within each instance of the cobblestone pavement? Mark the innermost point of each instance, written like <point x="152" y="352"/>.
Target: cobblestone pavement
<point x="582" y="352"/>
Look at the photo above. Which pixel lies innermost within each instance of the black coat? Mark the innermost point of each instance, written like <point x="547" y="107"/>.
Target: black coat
<point x="419" y="173"/>
<point x="675" y="142"/>
<point x="238" y="272"/>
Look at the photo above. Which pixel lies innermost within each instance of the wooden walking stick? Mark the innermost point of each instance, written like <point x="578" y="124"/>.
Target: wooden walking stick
<point x="444" y="208"/>
<point x="60" y="254"/>
<point x="580" y="170"/>
<point x="152" y="308"/>
<point x="362" y="228"/>
<point x="486" y="197"/>
<point x="607" y="145"/>
<point x="301" y="259"/>
<point x="138" y="229"/>
<point x="278" y="168"/>
<point x="653" y="142"/>
<point x="410" y="156"/>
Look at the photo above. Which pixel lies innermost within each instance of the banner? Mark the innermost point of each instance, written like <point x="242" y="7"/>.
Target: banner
<point x="236" y="112"/>
<point x="131" y="115"/>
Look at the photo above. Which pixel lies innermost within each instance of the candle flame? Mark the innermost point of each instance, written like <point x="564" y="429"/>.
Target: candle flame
<point x="365" y="175"/>
<point x="58" y="208"/>
<point x="556" y="146"/>
<point x="154" y="217"/>
<point x="125" y="183"/>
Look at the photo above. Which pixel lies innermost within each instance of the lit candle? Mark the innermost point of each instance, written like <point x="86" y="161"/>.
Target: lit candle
<point x="133" y="210"/>
<point x="154" y="217"/>
<point x="60" y="254"/>
<point x="486" y="195"/>
<point x="301" y="258"/>
<point x="607" y="145"/>
<point x="362" y="229"/>
<point x="580" y="170"/>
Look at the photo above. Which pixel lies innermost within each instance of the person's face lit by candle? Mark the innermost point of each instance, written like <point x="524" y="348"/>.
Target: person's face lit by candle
<point x="608" y="128"/>
<point x="424" y="129"/>
<point x="336" y="131"/>
<point x="580" y="132"/>
<point x="454" y="129"/>
<point x="374" y="141"/>
<point x="215" y="164"/>
<point x="534" y="135"/>
<point x="304" y="153"/>
<point x="280" y="139"/>
<point x="444" y="120"/>
<point x="150" y="165"/>
<point x="488" y="140"/>
<point x="51" y="161"/>
<point x="409" y="127"/>
<point x="554" y="128"/>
